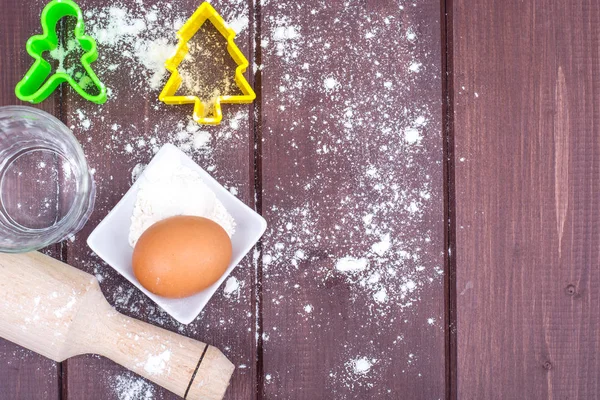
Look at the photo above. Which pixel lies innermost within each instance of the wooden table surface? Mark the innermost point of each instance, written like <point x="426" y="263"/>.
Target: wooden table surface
<point x="429" y="172"/>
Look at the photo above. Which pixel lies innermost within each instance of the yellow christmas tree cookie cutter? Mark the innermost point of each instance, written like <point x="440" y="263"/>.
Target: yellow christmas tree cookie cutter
<point x="187" y="31"/>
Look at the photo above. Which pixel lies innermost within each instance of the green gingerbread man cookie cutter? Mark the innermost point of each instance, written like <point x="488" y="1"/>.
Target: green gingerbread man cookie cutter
<point x="38" y="84"/>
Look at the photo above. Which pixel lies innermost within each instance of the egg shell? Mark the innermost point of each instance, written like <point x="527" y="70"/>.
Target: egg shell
<point x="181" y="256"/>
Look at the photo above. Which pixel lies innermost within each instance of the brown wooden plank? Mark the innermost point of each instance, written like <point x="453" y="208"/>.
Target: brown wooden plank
<point x="352" y="165"/>
<point x="526" y="75"/>
<point x="24" y="374"/>
<point x="142" y="123"/>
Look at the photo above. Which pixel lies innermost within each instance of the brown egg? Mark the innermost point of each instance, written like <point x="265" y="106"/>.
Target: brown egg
<point x="180" y="256"/>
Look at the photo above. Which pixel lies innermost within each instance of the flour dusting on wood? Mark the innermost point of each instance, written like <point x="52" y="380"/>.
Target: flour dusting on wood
<point x="130" y="387"/>
<point x="355" y="221"/>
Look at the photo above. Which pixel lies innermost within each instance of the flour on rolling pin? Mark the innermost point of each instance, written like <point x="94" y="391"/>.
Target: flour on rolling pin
<point x="174" y="189"/>
<point x="60" y="312"/>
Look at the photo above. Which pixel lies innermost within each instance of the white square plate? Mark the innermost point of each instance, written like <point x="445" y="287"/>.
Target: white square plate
<point x="110" y="239"/>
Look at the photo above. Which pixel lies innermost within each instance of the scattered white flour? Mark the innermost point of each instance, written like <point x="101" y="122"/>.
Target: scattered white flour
<point x="421" y="120"/>
<point x="134" y="39"/>
<point x="153" y="56"/>
<point x="351" y="265"/>
<point x="85" y="122"/>
<point x="137" y="38"/>
<point x="308" y="308"/>
<point x="200" y="139"/>
<point x="173" y="190"/>
<point x="232" y="287"/>
<point x="61" y="311"/>
<point x="286" y="33"/>
<point x="157" y="364"/>
<point x="415" y="66"/>
<point x="192" y="136"/>
<point x="380" y="248"/>
<point x="239" y="24"/>
<point x="360" y="366"/>
<point x="412" y="136"/>
<point x="119" y="25"/>
<point x="361" y="200"/>
<point x="287" y="40"/>
<point x="330" y="83"/>
<point x="144" y="37"/>
<point x="130" y="387"/>
<point x="355" y="193"/>
<point x="61" y="53"/>
<point x="380" y="296"/>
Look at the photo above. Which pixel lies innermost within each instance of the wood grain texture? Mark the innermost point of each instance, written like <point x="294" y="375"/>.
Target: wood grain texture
<point x="227" y="322"/>
<point x="526" y="78"/>
<point x="351" y="152"/>
<point x="23" y="374"/>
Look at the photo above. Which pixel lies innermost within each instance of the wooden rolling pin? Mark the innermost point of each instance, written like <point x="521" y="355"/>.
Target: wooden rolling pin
<point x="59" y="311"/>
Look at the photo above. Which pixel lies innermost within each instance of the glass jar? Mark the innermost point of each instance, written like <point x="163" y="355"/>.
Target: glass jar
<point x="46" y="189"/>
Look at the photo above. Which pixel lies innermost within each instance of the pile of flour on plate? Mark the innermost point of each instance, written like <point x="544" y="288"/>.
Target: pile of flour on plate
<point x="175" y="190"/>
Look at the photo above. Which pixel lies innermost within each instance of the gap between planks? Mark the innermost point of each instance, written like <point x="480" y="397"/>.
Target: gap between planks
<point x="256" y="114"/>
<point x="450" y="314"/>
<point x="63" y="248"/>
